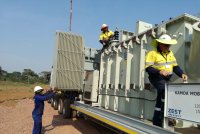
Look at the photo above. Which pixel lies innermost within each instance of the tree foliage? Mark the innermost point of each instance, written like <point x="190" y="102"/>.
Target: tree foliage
<point x="45" y="76"/>
<point x="27" y="76"/>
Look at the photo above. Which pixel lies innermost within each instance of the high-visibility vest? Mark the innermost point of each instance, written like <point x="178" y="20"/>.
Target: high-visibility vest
<point x="160" y="60"/>
<point x="106" y="35"/>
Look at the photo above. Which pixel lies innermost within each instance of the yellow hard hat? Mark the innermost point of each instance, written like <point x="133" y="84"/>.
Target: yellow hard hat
<point x="164" y="39"/>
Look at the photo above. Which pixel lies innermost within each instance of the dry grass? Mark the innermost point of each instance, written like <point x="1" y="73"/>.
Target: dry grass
<point x="10" y="92"/>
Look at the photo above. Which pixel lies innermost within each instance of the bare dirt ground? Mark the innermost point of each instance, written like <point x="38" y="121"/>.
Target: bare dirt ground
<point x="18" y="120"/>
<point x="16" y="105"/>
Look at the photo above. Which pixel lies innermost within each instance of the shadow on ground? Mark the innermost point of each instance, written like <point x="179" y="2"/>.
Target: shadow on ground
<point x="192" y="130"/>
<point x="80" y="124"/>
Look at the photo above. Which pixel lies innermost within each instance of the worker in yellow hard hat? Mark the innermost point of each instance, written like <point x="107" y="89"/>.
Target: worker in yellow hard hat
<point x="160" y="65"/>
<point x="106" y="36"/>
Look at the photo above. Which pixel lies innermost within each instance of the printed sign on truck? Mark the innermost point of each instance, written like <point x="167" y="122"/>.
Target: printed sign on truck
<point x="183" y="101"/>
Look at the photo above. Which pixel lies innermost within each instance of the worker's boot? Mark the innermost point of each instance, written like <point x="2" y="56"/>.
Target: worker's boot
<point x="171" y="122"/>
<point x="158" y="118"/>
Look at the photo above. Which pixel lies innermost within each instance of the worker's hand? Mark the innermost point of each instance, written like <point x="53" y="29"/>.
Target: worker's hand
<point x="45" y="90"/>
<point x="184" y="77"/>
<point x="164" y="73"/>
<point x="50" y="89"/>
<point x="55" y="89"/>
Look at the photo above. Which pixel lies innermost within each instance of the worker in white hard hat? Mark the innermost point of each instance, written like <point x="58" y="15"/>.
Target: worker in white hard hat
<point x="40" y="96"/>
<point x="105" y="36"/>
<point x="160" y="65"/>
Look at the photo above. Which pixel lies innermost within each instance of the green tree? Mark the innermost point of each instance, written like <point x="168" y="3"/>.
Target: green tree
<point x="44" y="76"/>
<point x="3" y="74"/>
<point x="29" y="76"/>
<point x="0" y="72"/>
<point x="16" y="76"/>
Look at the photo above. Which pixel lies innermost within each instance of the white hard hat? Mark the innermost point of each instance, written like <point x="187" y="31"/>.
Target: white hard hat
<point x="104" y="26"/>
<point x="37" y="88"/>
<point x="164" y="39"/>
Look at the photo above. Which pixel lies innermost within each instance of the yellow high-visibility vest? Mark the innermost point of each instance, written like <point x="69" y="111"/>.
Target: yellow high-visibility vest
<point x="106" y="35"/>
<point x="161" y="61"/>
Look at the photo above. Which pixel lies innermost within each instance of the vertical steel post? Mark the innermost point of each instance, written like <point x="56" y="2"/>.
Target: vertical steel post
<point x="70" y="27"/>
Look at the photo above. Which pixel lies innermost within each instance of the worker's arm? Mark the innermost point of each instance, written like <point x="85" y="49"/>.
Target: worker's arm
<point x="101" y="38"/>
<point x="45" y="96"/>
<point x="111" y="33"/>
<point x="101" y="41"/>
<point x="151" y="70"/>
<point x="178" y="71"/>
<point x="149" y="62"/>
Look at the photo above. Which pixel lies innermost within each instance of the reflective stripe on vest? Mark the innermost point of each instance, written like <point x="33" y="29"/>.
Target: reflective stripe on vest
<point x="161" y="62"/>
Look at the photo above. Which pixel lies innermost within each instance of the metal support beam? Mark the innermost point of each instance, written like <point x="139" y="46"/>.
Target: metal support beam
<point x="121" y="122"/>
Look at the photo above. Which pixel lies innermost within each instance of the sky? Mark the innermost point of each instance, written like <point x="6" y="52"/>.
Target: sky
<point x="28" y="27"/>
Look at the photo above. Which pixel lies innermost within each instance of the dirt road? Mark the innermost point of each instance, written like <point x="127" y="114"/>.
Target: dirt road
<point x="18" y="120"/>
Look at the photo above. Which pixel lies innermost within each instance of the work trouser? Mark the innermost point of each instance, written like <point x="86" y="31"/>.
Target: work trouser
<point x="159" y="107"/>
<point x="37" y="128"/>
<point x="105" y="43"/>
<point x="105" y="46"/>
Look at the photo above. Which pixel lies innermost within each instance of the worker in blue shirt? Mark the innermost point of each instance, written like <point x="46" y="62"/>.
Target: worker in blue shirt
<point x="40" y="96"/>
<point x="160" y="65"/>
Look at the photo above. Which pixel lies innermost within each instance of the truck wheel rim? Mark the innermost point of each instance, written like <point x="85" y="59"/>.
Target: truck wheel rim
<point x="59" y="107"/>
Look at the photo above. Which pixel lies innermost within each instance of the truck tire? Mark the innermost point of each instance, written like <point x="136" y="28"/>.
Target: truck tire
<point x="60" y="106"/>
<point x="51" y="102"/>
<point x="66" y="109"/>
<point x="55" y="102"/>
